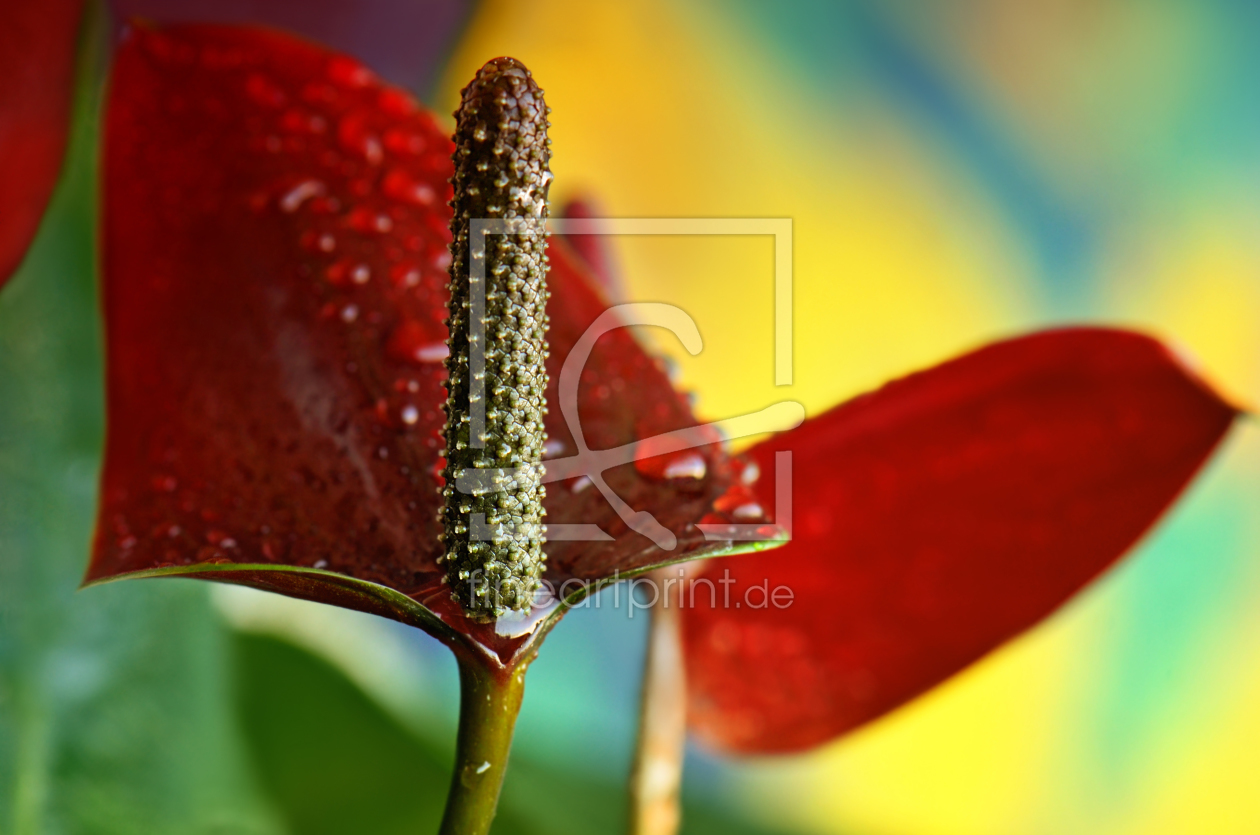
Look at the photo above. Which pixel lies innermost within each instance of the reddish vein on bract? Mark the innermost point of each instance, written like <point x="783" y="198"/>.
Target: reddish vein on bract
<point x="938" y="517"/>
<point x="37" y="49"/>
<point x="275" y="254"/>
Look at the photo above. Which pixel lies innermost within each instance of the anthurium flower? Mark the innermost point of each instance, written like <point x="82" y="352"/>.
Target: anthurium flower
<point x="275" y="266"/>
<point x="37" y="65"/>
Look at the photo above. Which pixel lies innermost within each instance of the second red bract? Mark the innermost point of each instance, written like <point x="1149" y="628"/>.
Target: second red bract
<point x="275" y="253"/>
<point x="37" y="50"/>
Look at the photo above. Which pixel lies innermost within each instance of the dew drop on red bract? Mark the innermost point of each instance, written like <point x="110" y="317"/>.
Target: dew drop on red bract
<point x="657" y="458"/>
<point x="415" y="343"/>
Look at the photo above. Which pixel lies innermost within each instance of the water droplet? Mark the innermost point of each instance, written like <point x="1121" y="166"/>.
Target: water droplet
<point x="296" y="121"/>
<point x="404" y="142"/>
<point x="300" y="193"/>
<point x="410" y="414"/>
<point x="338" y="272"/>
<point x="688" y="465"/>
<point x="679" y="465"/>
<point x="348" y="73"/>
<point x="738" y="499"/>
<point x="349" y="313"/>
<point x="326" y="243"/>
<point x="436" y="352"/>
<point x="395" y="102"/>
<point x="354" y="135"/>
<point x="321" y="94"/>
<point x="325" y="205"/>
<point x="365" y="219"/>
<point x="264" y="91"/>
<point x="412" y="342"/>
<point x="165" y="483"/>
<point x="382" y="410"/>
<point x="399" y="185"/>
<point x="404" y="275"/>
<point x="749" y="512"/>
<point x="361" y="274"/>
<point x="320" y="564"/>
<point x="552" y="448"/>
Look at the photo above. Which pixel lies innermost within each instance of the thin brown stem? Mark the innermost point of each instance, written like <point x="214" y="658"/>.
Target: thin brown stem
<point x="656" y="778"/>
<point x="489" y="703"/>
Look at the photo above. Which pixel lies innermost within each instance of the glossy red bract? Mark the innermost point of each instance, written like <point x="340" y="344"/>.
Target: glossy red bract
<point x="37" y="51"/>
<point x="936" y="518"/>
<point x="275" y="255"/>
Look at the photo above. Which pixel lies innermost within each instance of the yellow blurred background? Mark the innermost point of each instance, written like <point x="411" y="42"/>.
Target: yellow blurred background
<point x="956" y="173"/>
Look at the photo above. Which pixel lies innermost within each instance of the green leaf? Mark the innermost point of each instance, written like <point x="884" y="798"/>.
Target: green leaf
<point x="335" y="761"/>
<point x="114" y="702"/>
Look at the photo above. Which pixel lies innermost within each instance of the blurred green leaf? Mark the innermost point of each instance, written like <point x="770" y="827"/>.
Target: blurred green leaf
<point x="115" y="707"/>
<point x="335" y="761"/>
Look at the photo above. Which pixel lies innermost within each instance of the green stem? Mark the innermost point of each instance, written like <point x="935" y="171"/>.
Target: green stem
<point x="489" y="703"/>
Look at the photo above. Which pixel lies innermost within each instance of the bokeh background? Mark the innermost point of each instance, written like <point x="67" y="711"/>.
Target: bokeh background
<point x="956" y="172"/>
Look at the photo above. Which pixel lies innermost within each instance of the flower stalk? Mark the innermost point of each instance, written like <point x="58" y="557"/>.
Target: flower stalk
<point x="656" y="777"/>
<point x="489" y="703"/>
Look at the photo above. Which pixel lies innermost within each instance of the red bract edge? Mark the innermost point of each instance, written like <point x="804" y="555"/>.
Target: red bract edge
<point x="37" y="56"/>
<point x="274" y="258"/>
<point x="944" y="514"/>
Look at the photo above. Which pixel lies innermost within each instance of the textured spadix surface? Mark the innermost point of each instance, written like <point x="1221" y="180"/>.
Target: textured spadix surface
<point x="497" y="373"/>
